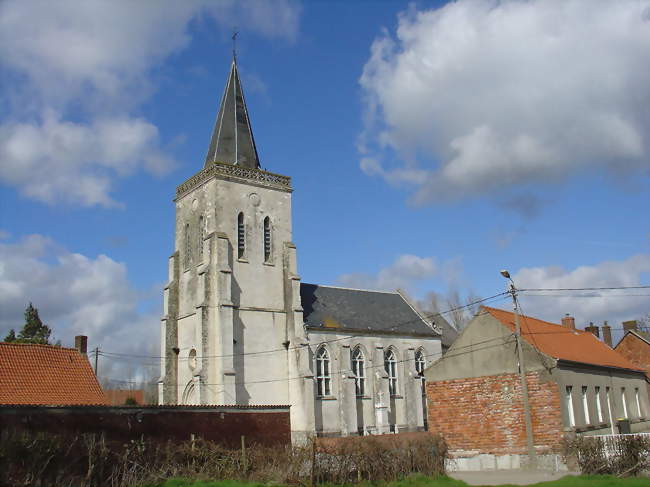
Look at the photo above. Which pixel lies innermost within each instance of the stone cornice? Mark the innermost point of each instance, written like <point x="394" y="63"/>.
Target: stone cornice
<point x="237" y="173"/>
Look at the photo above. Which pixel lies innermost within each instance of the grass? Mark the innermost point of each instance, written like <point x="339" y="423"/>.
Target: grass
<point x="422" y="481"/>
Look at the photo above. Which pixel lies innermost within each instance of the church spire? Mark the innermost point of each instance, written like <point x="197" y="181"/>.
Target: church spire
<point x="232" y="138"/>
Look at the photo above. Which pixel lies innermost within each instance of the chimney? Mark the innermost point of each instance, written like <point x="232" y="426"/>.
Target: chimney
<point x="569" y="321"/>
<point x="593" y="329"/>
<point x="81" y="344"/>
<point x="629" y="326"/>
<point x="607" y="334"/>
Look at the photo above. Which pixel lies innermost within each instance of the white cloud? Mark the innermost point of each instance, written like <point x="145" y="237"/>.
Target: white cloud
<point x="76" y="72"/>
<point x="75" y="294"/>
<point x="401" y="274"/>
<point x="57" y="160"/>
<point x="480" y="95"/>
<point x="596" y="306"/>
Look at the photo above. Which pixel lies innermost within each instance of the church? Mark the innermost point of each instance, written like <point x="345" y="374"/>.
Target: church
<point x="240" y="328"/>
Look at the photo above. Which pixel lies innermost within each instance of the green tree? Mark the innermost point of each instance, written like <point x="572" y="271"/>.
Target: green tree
<point x="33" y="331"/>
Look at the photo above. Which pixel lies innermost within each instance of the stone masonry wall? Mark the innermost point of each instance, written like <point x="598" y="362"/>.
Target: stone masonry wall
<point x="485" y="414"/>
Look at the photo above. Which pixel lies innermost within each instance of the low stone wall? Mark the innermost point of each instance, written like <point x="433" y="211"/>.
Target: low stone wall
<point x="264" y="425"/>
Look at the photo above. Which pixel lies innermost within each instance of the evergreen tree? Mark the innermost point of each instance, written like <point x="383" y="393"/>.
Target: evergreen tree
<point x="34" y="331"/>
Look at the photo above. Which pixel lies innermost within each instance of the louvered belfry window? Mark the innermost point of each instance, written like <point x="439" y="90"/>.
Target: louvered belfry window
<point x="188" y="247"/>
<point x="241" y="236"/>
<point x="267" y="239"/>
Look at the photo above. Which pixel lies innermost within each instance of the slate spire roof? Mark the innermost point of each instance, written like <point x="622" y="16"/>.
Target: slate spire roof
<point x="232" y="139"/>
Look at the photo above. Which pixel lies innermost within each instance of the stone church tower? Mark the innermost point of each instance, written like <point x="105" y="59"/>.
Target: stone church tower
<point x="232" y="330"/>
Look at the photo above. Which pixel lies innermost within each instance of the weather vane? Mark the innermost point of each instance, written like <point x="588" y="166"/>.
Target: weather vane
<point x="234" y="44"/>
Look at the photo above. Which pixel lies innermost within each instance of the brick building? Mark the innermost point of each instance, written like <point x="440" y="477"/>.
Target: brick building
<point x="576" y="384"/>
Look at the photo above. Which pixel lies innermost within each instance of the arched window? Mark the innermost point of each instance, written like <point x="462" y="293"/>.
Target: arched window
<point x="267" y="239"/>
<point x="188" y="247"/>
<point x="390" y="365"/>
<point x="420" y="365"/>
<point x="241" y="236"/>
<point x="358" y="369"/>
<point x="201" y="238"/>
<point x="323" y="378"/>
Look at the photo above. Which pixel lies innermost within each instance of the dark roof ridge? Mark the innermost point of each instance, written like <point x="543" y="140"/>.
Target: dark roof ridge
<point x="352" y="288"/>
<point x="43" y="345"/>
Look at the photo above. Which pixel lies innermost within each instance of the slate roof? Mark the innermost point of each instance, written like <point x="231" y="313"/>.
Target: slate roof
<point x="562" y="343"/>
<point x="47" y="375"/>
<point x="232" y="139"/>
<point x="332" y="308"/>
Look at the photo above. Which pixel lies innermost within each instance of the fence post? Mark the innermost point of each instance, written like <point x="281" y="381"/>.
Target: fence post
<point x="243" y="453"/>
<point x="313" y="463"/>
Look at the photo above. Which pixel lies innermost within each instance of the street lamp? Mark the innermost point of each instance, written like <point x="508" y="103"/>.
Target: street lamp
<point x="532" y="455"/>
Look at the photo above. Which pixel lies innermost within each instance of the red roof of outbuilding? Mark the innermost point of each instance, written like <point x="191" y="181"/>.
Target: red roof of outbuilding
<point x="563" y="343"/>
<point x="46" y="375"/>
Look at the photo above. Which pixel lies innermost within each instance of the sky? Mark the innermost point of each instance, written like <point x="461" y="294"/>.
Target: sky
<point x="430" y="145"/>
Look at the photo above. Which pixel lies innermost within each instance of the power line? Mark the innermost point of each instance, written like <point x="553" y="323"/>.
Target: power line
<point x="584" y="288"/>
<point x="283" y="349"/>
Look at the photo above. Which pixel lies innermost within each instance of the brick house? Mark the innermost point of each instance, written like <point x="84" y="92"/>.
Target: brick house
<point x="47" y="375"/>
<point x="635" y="346"/>
<point x="575" y="382"/>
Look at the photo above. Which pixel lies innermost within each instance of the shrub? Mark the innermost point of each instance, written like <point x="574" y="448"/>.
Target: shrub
<point x="44" y="459"/>
<point x="622" y="455"/>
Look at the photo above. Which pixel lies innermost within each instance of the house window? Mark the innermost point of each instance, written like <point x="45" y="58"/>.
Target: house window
<point x="624" y="402"/>
<point x="358" y="369"/>
<point x="323" y="378"/>
<point x="188" y="247"/>
<point x="569" y="405"/>
<point x="609" y="409"/>
<point x="267" y="239"/>
<point x="638" y="402"/>
<point x="201" y="238"/>
<point x="599" y="409"/>
<point x="241" y="236"/>
<point x="420" y="365"/>
<point x="585" y="405"/>
<point x="390" y="365"/>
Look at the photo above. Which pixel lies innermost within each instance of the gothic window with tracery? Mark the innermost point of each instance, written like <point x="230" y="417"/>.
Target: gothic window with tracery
<point x="241" y="236"/>
<point x="390" y="365"/>
<point x="323" y="378"/>
<point x="420" y="365"/>
<point x="267" y="239"/>
<point x="358" y="369"/>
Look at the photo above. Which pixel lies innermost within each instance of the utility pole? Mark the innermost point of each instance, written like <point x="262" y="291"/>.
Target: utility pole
<point x="96" y="359"/>
<point x="532" y="455"/>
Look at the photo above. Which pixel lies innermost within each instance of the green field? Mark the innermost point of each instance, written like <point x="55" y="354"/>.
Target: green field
<point x="421" y="481"/>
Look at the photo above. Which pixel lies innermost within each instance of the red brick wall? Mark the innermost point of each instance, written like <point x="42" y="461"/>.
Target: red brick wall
<point x="636" y="351"/>
<point x="486" y="413"/>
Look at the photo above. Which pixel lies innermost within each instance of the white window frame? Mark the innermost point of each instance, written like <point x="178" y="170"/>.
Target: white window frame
<point x="585" y="404"/>
<point x="390" y="366"/>
<point x="569" y="402"/>
<point x="323" y="373"/>
<point x="599" y="406"/>
<point x="638" y="402"/>
<point x="359" y="371"/>
<point x="609" y="409"/>
<point x="623" y="400"/>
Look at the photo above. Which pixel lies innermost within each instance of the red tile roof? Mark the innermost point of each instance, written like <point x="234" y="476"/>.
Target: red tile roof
<point x="563" y="343"/>
<point x="118" y="397"/>
<point x="46" y="375"/>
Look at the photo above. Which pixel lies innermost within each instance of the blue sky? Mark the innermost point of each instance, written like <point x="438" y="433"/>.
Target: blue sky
<point x="430" y="146"/>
